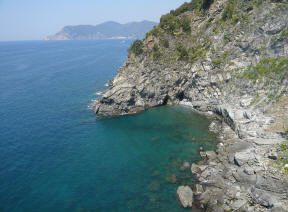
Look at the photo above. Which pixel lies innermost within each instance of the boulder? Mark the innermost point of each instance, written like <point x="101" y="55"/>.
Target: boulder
<point x="211" y="155"/>
<point x="185" y="195"/>
<point x="244" y="157"/>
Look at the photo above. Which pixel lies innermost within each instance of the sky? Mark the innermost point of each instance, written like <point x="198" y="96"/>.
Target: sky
<point x="35" y="19"/>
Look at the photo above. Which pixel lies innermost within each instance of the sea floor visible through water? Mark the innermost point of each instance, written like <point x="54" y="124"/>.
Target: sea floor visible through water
<point x="56" y="155"/>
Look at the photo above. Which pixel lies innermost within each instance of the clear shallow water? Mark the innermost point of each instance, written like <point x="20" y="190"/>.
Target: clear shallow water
<point x="55" y="155"/>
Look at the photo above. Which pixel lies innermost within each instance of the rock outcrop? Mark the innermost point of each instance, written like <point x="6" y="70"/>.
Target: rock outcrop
<point x="230" y="60"/>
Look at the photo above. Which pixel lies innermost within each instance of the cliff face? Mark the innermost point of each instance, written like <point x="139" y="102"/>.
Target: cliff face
<point x="229" y="58"/>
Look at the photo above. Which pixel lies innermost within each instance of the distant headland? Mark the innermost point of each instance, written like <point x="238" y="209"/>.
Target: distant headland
<point x="107" y="30"/>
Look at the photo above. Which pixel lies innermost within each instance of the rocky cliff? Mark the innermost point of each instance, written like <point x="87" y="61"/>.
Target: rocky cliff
<point x="229" y="58"/>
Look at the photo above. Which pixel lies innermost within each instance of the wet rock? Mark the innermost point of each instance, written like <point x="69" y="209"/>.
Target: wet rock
<point x="185" y="195"/>
<point x="110" y="82"/>
<point x="203" y="155"/>
<point x="185" y="166"/>
<point x="197" y="169"/>
<point x="199" y="189"/>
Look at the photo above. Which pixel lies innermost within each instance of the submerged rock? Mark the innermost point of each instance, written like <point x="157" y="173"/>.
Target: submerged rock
<point x="171" y="178"/>
<point x="185" y="166"/>
<point x="185" y="195"/>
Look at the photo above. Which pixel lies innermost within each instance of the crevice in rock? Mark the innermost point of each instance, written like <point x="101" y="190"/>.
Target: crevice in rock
<point x="180" y="96"/>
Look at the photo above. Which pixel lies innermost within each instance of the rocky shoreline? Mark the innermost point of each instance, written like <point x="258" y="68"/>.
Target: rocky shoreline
<point x="234" y="68"/>
<point x="241" y="176"/>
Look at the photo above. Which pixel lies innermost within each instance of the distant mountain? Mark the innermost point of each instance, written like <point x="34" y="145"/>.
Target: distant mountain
<point x="107" y="30"/>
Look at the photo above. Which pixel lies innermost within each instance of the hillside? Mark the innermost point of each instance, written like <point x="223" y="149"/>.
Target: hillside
<point x="107" y="30"/>
<point x="228" y="58"/>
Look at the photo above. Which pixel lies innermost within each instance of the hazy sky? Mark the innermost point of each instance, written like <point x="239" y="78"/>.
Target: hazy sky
<point x="35" y="19"/>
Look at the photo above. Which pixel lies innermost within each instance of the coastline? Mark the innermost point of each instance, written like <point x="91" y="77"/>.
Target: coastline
<point x="239" y="175"/>
<point x="238" y="73"/>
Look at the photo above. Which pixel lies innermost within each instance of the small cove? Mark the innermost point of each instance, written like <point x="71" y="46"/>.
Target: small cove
<point x="57" y="156"/>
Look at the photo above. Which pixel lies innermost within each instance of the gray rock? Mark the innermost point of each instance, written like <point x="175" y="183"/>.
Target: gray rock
<point x="211" y="155"/>
<point x="262" y="197"/>
<point x="185" y="195"/>
<point x="244" y="157"/>
<point x="238" y="204"/>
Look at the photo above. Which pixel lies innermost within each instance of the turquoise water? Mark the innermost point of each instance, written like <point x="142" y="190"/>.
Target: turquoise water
<point x="55" y="155"/>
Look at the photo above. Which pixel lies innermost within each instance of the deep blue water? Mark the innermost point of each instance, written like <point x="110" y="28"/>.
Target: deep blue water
<point x="55" y="155"/>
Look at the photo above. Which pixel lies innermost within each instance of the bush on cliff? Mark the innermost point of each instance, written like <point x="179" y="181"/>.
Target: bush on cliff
<point x="268" y="68"/>
<point x="156" y="52"/>
<point x="168" y="23"/>
<point x="229" y="10"/>
<point x="182" y="52"/>
<point x="185" y="24"/>
<point x="206" y="4"/>
<point x="165" y="43"/>
<point x="137" y="47"/>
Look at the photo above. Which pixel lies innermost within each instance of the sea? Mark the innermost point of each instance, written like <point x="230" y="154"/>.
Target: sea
<point x="56" y="155"/>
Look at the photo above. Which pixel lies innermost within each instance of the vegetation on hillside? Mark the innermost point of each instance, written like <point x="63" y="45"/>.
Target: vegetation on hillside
<point x="268" y="68"/>
<point x="283" y="157"/>
<point x="136" y="48"/>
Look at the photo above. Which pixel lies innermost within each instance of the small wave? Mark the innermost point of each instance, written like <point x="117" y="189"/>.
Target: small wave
<point x="100" y="93"/>
<point x="106" y="84"/>
<point x="92" y="104"/>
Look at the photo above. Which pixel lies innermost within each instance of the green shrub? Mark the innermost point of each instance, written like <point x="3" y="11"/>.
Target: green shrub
<point x="215" y="30"/>
<point x="284" y="34"/>
<point x="185" y="24"/>
<point x="155" y="31"/>
<point x="217" y="61"/>
<point x="198" y="52"/>
<point x="227" y="37"/>
<point x="168" y="23"/>
<point x="268" y="68"/>
<point x="229" y="10"/>
<point x="206" y="4"/>
<point x="165" y="43"/>
<point x="182" y="52"/>
<point x="156" y="52"/>
<point x="137" y="47"/>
